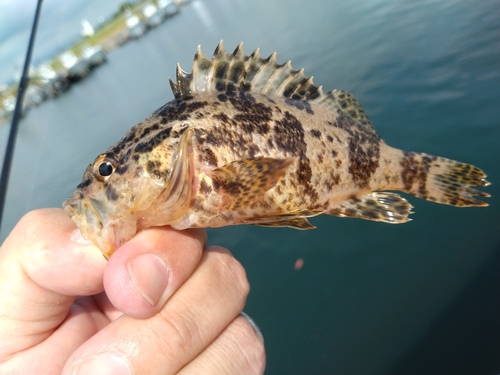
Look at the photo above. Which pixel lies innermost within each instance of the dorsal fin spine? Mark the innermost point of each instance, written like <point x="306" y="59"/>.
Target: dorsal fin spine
<point x="175" y="91"/>
<point x="184" y="80"/>
<point x="316" y="93"/>
<point x="220" y="60"/>
<point x="289" y="86"/>
<point x="251" y="68"/>
<point x="236" y="68"/>
<point x="305" y="89"/>
<point x="202" y="67"/>
<point x="220" y="46"/>
<point x="237" y="71"/>
<point x="282" y="73"/>
<point x="263" y="75"/>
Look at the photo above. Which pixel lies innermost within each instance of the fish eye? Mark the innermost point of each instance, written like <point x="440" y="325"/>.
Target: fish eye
<point x="105" y="169"/>
<point x="104" y="166"/>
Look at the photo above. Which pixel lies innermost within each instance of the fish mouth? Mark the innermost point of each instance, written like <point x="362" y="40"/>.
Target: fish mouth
<point x="89" y="218"/>
<point x="82" y="212"/>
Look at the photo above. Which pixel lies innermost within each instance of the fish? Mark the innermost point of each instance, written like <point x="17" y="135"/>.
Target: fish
<point x="247" y="140"/>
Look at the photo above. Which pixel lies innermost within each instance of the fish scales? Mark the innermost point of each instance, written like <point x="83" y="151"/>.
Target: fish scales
<point x="249" y="141"/>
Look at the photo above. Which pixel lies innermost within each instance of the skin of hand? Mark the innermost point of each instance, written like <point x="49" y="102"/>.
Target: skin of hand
<point x="162" y="304"/>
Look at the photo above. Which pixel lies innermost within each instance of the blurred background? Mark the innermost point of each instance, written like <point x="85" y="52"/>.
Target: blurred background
<point x="369" y="298"/>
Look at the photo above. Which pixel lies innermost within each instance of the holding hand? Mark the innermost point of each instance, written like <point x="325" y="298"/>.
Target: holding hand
<point x="160" y="305"/>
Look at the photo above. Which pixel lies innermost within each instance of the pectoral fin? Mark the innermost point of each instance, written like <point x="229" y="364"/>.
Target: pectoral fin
<point x="174" y="199"/>
<point x="243" y="182"/>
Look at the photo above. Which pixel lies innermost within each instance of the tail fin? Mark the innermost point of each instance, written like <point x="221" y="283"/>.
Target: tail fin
<point x="442" y="180"/>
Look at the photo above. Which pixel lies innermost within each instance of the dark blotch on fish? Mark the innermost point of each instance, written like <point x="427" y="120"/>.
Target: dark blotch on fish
<point x="302" y="105"/>
<point x="289" y="137"/>
<point x="179" y="110"/>
<point x="316" y="133"/>
<point x="364" y="150"/>
<point x="111" y="193"/>
<point x="149" y="145"/>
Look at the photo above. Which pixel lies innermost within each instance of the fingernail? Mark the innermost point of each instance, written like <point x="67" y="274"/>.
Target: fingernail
<point x="103" y="364"/>
<point x="77" y="237"/>
<point x="149" y="275"/>
<point x="253" y="324"/>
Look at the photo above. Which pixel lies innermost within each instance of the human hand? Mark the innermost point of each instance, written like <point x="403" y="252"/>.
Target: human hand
<point x="177" y="314"/>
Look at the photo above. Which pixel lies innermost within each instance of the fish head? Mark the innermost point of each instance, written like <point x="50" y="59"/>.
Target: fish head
<point x="122" y="193"/>
<point x="101" y="205"/>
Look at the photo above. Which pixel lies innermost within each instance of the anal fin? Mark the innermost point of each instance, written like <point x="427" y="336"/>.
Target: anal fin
<point x="377" y="206"/>
<point x="243" y="182"/>
<point x="297" y="223"/>
<point x="294" y="219"/>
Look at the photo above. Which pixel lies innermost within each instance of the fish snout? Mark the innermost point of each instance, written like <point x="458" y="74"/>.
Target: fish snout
<point x="85" y="216"/>
<point x="108" y="231"/>
<point x="73" y="205"/>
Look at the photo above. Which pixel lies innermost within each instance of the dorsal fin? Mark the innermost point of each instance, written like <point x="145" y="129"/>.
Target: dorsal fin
<point x="237" y="71"/>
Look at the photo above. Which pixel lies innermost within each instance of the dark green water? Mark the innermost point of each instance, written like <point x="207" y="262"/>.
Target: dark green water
<point x="419" y="298"/>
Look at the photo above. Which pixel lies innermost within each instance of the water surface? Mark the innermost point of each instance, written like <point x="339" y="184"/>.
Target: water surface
<point x="371" y="298"/>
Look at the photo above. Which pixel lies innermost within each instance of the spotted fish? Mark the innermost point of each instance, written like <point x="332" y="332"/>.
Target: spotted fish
<point x="250" y="141"/>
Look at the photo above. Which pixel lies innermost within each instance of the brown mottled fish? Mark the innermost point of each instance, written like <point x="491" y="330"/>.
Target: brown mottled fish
<point x="250" y="141"/>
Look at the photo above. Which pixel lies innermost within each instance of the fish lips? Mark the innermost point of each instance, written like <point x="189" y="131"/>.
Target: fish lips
<point x="90" y="217"/>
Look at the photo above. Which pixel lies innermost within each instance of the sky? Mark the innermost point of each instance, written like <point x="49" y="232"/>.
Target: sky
<point x="59" y="25"/>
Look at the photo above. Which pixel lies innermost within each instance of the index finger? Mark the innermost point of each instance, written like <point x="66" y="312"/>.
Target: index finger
<point x="42" y="269"/>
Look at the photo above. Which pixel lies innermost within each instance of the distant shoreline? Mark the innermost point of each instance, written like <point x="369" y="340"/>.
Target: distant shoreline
<point x="55" y="76"/>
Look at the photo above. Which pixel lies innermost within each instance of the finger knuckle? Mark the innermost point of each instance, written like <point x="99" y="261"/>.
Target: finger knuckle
<point x="236" y="275"/>
<point x="25" y="229"/>
<point x="182" y="333"/>
<point x="37" y="216"/>
<point x="30" y="219"/>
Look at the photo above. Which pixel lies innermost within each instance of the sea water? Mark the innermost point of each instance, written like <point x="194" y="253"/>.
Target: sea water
<point x="370" y="298"/>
